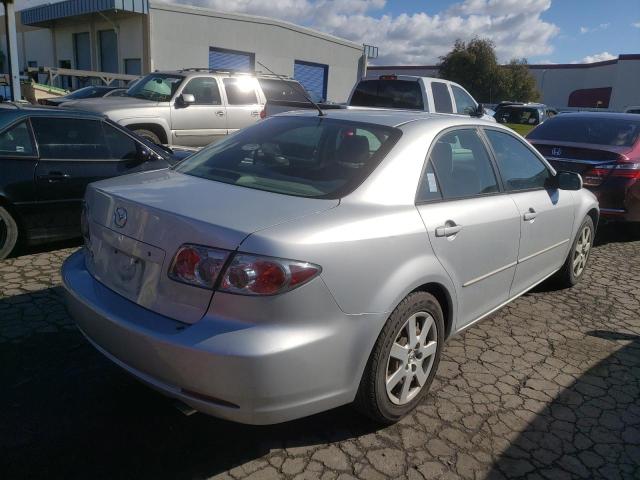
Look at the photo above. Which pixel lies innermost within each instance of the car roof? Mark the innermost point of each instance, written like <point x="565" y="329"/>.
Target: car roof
<point x="389" y="117"/>
<point x="613" y="115"/>
<point x="10" y="111"/>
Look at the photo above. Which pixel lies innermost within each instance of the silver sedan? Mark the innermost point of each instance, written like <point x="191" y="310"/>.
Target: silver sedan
<point x="309" y="261"/>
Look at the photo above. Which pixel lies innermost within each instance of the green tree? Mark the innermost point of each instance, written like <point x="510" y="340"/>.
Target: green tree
<point x="474" y="65"/>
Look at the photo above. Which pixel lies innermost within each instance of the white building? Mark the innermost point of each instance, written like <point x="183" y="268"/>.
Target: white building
<point x="139" y="36"/>
<point x="611" y="84"/>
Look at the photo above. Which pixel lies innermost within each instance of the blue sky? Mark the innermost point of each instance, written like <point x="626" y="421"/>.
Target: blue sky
<point x="414" y="32"/>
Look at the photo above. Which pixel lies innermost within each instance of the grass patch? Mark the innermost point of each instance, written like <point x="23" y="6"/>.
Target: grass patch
<point x="521" y="129"/>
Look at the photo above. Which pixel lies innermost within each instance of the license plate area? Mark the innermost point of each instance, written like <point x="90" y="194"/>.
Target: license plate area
<point x="125" y="265"/>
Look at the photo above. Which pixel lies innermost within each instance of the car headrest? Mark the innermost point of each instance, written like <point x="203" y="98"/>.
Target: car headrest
<point x="353" y="151"/>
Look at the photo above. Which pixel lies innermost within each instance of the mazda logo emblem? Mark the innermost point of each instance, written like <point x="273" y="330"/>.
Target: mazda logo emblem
<point x="120" y="217"/>
<point x="556" y="151"/>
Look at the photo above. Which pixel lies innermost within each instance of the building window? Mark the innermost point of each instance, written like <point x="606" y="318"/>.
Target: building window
<point x="313" y="77"/>
<point x="32" y="64"/>
<point x="232" y="60"/>
<point x="590" y="98"/>
<point x="132" y="66"/>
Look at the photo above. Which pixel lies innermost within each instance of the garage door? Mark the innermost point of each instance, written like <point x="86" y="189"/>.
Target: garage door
<point x="313" y="76"/>
<point x="223" y="59"/>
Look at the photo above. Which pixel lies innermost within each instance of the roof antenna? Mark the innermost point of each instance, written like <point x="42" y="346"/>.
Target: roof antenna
<point x="301" y="90"/>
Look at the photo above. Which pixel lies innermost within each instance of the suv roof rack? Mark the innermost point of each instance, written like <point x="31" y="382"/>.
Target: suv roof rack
<point x="235" y="72"/>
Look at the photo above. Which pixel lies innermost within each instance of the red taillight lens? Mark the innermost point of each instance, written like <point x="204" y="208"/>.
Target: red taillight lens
<point x="388" y="77"/>
<point x="597" y="175"/>
<point x="253" y="275"/>
<point x="196" y="265"/>
<point x="263" y="113"/>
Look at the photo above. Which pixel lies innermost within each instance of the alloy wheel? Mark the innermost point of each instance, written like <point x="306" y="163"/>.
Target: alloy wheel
<point x="581" y="251"/>
<point x="411" y="358"/>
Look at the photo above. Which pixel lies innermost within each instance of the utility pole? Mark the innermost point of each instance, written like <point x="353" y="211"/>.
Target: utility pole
<point x="12" y="48"/>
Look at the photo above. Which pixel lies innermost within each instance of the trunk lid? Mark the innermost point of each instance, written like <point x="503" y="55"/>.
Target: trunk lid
<point x="138" y="222"/>
<point x="578" y="157"/>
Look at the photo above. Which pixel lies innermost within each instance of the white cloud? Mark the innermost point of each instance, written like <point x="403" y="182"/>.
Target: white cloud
<point x="602" y="26"/>
<point x="596" y="57"/>
<point x="515" y="26"/>
<point x="636" y="24"/>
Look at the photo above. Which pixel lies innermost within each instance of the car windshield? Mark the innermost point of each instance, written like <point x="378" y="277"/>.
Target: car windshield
<point x="519" y="115"/>
<point x="158" y="87"/>
<point x="87" y="92"/>
<point x="301" y="156"/>
<point x="388" y="94"/>
<point x="593" y="130"/>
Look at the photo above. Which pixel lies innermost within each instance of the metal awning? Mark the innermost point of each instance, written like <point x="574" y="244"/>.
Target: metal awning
<point x="37" y="16"/>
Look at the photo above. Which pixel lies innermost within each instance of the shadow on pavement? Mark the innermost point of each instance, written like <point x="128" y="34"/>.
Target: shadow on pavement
<point x="67" y="412"/>
<point x="21" y="250"/>
<point x="615" y="232"/>
<point x="590" y="430"/>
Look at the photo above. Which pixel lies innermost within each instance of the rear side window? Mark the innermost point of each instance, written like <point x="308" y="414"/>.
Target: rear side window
<point x="441" y="97"/>
<point x="520" y="168"/>
<point x="240" y="91"/>
<point x="462" y="165"/>
<point x="588" y="129"/>
<point x="16" y="141"/>
<point x="282" y="90"/>
<point x="464" y="103"/>
<point x="300" y="156"/>
<point x="429" y="188"/>
<point x="205" y="90"/>
<point x="70" y="138"/>
<point x="388" y="94"/>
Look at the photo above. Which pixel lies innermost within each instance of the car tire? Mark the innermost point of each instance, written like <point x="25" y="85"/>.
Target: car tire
<point x="576" y="262"/>
<point x="148" y="134"/>
<point x="8" y="233"/>
<point x="396" y="361"/>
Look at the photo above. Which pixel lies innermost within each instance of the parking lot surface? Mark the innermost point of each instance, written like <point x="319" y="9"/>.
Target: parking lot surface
<point x="547" y="388"/>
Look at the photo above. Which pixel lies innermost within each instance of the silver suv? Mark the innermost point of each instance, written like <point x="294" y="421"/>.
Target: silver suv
<point x="192" y="107"/>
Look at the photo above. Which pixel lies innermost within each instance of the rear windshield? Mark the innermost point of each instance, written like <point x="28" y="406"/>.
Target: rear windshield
<point x="302" y="156"/>
<point x="388" y="94"/>
<point x="282" y="90"/>
<point x="593" y="130"/>
<point x="519" y="115"/>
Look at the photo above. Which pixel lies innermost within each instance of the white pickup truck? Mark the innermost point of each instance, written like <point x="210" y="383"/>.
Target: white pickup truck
<point x="398" y="92"/>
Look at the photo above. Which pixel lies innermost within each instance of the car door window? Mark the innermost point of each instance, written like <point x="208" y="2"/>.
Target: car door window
<point x="441" y="97"/>
<point x="464" y="103"/>
<point x="16" y="141"/>
<point x="70" y="138"/>
<point x="205" y="90"/>
<point x="240" y="91"/>
<point x="519" y="167"/>
<point x="462" y="165"/>
<point x="121" y="146"/>
<point x="429" y="188"/>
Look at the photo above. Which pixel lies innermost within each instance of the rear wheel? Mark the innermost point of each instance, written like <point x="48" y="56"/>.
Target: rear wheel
<point x="8" y="233"/>
<point x="576" y="261"/>
<point x="404" y="359"/>
<point x="148" y="134"/>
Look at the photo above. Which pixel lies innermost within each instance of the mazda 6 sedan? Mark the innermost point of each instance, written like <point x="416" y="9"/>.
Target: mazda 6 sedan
<point x="309" y="261"/>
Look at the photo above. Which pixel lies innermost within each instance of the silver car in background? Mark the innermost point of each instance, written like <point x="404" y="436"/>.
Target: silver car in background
<point x="310" y="261"/>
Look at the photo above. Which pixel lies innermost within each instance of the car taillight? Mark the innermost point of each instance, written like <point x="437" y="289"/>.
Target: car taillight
<point x="255" y="275"/>
<point x="263" y="113"/>
<point x="197" y="265"/>
<point x="597" y="175"/>
<point x="388" y="77"/>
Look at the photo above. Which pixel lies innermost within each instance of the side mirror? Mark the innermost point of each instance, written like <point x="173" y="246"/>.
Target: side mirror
<point x="187" y="99"/>
<point x="478" y="112"/>
<point x="566" y="181"/>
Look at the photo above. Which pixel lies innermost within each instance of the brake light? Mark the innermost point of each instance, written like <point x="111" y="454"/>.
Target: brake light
<point x="254" y="275"/>
<point x="196" y="265"/>
<point x="263" y="113"/>
<point x="388" y="77"/>
<point x="597" y="175"/>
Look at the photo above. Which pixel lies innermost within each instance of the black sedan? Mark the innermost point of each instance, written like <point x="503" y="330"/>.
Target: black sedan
<point x="48" y="157"/>
<point x="96" y="91"/>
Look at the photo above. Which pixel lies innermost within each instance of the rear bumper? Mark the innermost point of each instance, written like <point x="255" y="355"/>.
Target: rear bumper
<point x="619" y="199"/>
<point x="239" y="369"/>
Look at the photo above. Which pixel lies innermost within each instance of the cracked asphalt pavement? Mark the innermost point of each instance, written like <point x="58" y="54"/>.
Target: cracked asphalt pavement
<point x="547" y="388"/>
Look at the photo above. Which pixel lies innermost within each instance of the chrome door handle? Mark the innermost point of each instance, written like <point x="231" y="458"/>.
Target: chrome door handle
<point x="530" y="215"/>
<point x="220" y="113"/>
<point x="54" y="177"/>
<point x="448" y="230"/>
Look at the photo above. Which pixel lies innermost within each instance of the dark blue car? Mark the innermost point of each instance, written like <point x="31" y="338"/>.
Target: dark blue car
<point x="47" y="158"/>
